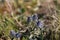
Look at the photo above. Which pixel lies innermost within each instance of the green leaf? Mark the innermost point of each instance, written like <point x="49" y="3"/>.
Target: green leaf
<point x="22" y="10"/>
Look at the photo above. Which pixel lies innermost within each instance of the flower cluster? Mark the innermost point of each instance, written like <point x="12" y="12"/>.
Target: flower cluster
<point x="35" y="19"/>
<point x="14" y="34"/>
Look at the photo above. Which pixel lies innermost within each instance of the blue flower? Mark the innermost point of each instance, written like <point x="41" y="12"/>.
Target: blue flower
<point x="28" y="19"/>
<point x="18" y="35"/>
<point x="12" y="33"/>
<point x="35" y="17"/>
<point x="40" y="24"/>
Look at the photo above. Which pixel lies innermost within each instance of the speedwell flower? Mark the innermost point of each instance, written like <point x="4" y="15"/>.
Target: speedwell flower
<point x="35" y="17"/>
<point x="18" y="35"/>
<point x="12" y="33"/>
<point x="28" y="19"/>
<point x="40" y="24"/>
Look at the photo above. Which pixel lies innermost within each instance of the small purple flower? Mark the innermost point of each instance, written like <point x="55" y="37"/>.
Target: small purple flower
<point x="35" y="17"/>
<point x="18" y="35"/>
<point x="12" y="33"/>
<point x="29" y="19"/>
<point x="40" y="24"/>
